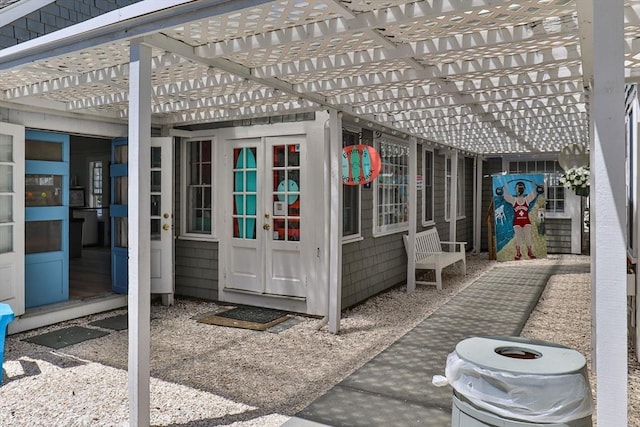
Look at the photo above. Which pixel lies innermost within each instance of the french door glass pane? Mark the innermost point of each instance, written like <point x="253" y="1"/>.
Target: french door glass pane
<point x="6" y="240"/>
<point x="43" y="236"/>
<point x="156" y="181"/>
<point x="6" y="178"/>
<point x="155" y="205"/>
<point x="244" y="193"/>
<point x="121" y="190"/>
<point x="156" y="157"/>
<point x="121" y="154"/>
<point x="43" y="190"/>
<point x="6" y="213"/>
<point x="155" y="229"/>
<point x="121" y="232"/>
<point x="43" y="150"/>
<point x="286" y="192"/>
<point x="6" y="148"/>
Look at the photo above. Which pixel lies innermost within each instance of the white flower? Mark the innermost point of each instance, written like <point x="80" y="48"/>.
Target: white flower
<point x="576" y="178"/>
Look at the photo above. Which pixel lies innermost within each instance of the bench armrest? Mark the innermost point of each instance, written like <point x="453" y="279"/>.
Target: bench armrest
<point x="460" y="244"/>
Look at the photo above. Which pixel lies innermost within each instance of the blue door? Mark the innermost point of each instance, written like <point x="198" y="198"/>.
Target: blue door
<point x="46" y="218"/>
<point x="119" y="212"/>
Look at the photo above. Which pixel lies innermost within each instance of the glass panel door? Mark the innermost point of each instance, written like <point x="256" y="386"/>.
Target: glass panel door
<point x="12" y="261"/>
<point x="244" y="260"/>
<point x="46" y="201"/>
<point x="161" y="218"/>
<point x="282" y="252"/>
<point x="118" y="211"/>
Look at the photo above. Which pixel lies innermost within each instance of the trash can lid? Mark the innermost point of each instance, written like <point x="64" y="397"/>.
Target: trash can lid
<point x="520" y="355"/>
<point x="5" y="309"/>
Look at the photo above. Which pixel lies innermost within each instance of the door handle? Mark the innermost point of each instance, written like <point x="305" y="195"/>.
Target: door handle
<point x="266" y="227"/>
<point x="166" y="227"/>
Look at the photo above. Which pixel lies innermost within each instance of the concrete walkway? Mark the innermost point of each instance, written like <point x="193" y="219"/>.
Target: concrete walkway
<point x="394" y="388"/>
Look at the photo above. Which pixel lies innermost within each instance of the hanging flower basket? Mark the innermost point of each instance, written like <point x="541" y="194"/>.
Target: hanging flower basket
<point x="577" y="179"/>
<point x="584" y="192"/>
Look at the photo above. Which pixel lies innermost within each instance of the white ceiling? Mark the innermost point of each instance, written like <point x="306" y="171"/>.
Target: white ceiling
<point x="485" y="76"/>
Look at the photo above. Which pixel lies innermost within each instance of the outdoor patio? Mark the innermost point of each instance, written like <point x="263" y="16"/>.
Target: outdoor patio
<point x="377" y="371"/>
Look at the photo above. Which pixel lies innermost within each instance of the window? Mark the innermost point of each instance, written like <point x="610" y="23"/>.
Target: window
<point x="198" y="192"/>
<point x="459" y="187"/>
<point x="350" y="195"/>
<point x="427" y="185"/>
<point x="392" y="187"/>
<point x="96" y="174"/>
<point x="552" y="171"/>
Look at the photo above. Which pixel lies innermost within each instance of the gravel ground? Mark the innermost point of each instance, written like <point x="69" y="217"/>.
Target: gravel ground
<point x="205" y="375"/>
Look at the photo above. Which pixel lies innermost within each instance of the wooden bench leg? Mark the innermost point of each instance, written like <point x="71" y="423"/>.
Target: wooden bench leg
<point x="464" y="266"/>
<point x="439" y="279"/>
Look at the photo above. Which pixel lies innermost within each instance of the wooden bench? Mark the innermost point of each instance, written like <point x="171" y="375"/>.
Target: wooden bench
<point x="432" y="254"/>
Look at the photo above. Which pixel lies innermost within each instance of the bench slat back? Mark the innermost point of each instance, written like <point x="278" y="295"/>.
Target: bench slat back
<point x="427" y="241"/>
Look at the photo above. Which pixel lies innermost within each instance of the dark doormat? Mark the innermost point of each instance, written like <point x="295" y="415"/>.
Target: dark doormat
<point x="66" y="337"/>
<point x="117" y="323"/>
<point x="255" y="318"/>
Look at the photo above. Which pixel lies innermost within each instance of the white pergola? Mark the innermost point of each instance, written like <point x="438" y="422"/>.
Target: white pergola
<point x="484" y="77"/>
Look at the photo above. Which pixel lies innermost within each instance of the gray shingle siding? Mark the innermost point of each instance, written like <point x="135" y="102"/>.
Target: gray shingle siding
<point x="196" y="269"/>
<point x="55" y="16"/>
<point x="558" y="231"/>
<point x="369" y="266"/>
<point x="196" y="262"/>
<point x="373" y="265"/>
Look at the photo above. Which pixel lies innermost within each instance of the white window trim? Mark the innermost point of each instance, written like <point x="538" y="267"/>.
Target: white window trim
<point x="377" y="232"/>
<point x="89" y="202"/>
<point x="358" y="235"/>
<point x="432" y="221"/>
<point x="184" y="166"/>
<point x="462" y="215"/>
<point x="506" y="167"/>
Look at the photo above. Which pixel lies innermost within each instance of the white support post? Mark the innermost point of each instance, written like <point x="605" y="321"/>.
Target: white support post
<point x="453" y="196"/>
<point x="413" y="214"/>
<point x="477" y="205"/>
<point x="139" y="233"/>
<point x="335" y="221"/>
<point x="634" y="142"/>
<point x="608" y="215"/>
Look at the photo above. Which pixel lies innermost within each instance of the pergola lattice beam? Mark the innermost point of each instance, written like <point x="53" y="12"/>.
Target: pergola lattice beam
<point x="538" y="129"/>
<point x="67" y="82"/>
<point x="431" y="95"/>
<point x="414" y="50"/>
<point x="550" y="57"/>
<point x="374" y="19"/>
<point x="557" y="119"/>
<point x="195" y="87"/>
<point x="189" y="52"/>
<point x="436" y="104"/>
<point x="208" y="115"/>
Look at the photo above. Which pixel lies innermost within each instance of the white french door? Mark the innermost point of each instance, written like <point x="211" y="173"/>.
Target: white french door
<point x="265" y="217"/>
<point x="161" y="216"/>
<point x="12" y="217"/>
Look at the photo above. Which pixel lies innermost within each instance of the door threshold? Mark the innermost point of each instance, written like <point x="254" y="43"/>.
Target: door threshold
<point x="276" y="302"/>
<point x="67" y="310"/>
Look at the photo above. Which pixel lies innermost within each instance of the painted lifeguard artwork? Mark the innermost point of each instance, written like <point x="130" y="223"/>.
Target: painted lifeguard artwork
<point x="519" y="211"/>
<point x="360" y="164"/>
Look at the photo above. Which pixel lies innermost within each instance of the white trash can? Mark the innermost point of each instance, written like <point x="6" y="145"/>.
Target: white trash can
<point x="516" y="382"/>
